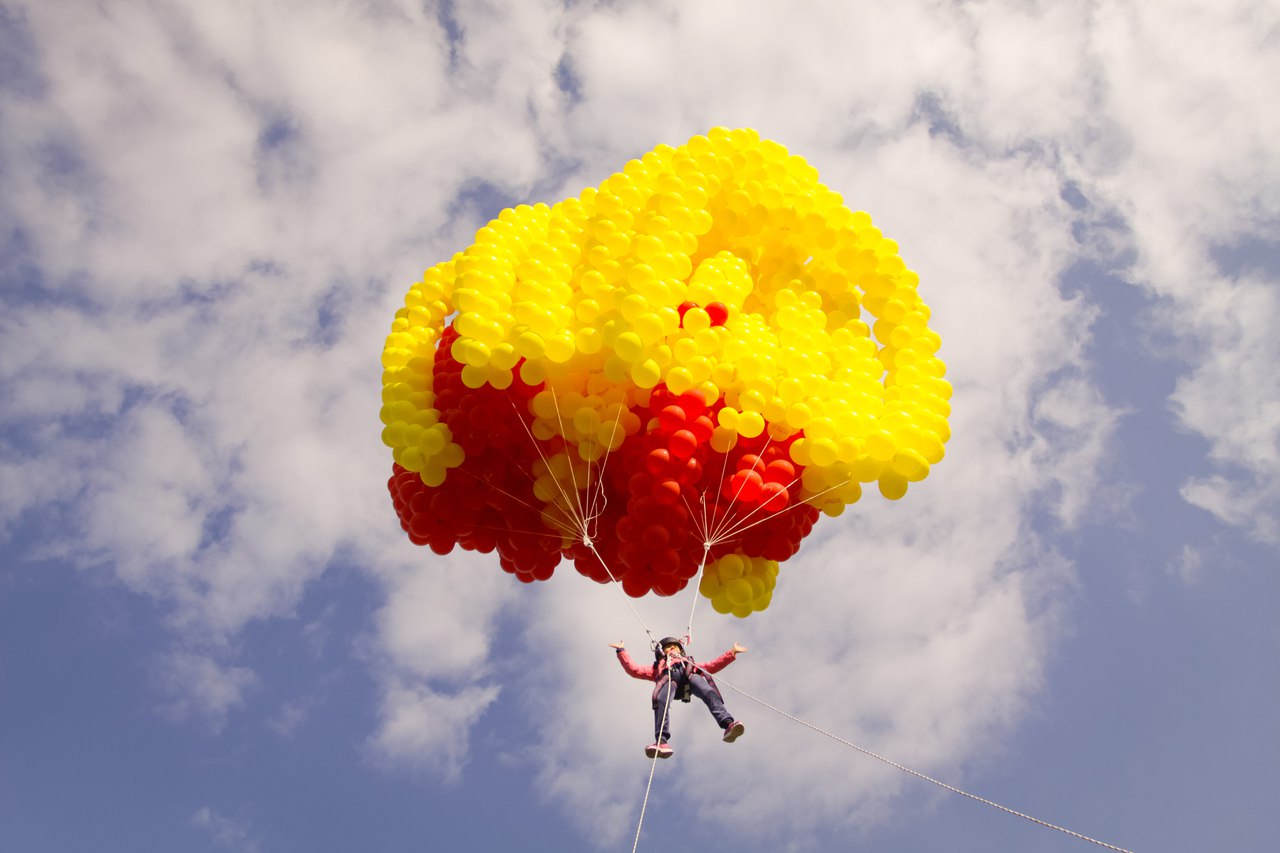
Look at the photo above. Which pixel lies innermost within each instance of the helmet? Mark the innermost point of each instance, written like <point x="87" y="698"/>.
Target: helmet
<point x="659" y="651"/>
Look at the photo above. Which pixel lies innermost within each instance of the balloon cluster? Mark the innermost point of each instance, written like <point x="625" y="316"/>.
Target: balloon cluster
<point x="665" y="377"/>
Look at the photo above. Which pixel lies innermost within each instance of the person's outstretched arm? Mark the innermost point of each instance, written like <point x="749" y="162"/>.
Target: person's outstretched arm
<point x="725" y="659"/>
<point x="645" y="673"/>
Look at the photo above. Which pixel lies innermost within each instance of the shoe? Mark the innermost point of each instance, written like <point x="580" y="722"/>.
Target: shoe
<point x="658" y="750"/>
<point x="734" y="731"/>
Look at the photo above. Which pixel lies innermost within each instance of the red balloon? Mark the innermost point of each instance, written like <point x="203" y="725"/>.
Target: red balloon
<point x="659" y="398"/>
<point x="636" y="585"/>
<point x="683" y="444"/>
<point x="780" y="471"/>
<point x="628" y="529"/>
<point x="692" y="404"/>
<point x="671" y="418"/>
<point x="664" y="561"/>
<point x="666" y="491"/>
<point x="689" y="473"/>
<point x="655" y="536"/>
<point x="742" y="487"/>
<point x="639" y="484"/>
<point x="774" y="497"/>
<point x="657" y="461"/>
<point x="654" y="501"/>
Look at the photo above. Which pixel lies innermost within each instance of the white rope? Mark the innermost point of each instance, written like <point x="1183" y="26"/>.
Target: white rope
<point x="654" y="766"/>
<point x="644" y="804"/>
<point x="919" y="775"/>
<point x="580" y="516"/>
<point x="697" y="583"/>
<point x="621" y="591"/>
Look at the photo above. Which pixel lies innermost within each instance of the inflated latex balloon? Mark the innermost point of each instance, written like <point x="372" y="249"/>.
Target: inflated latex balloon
<point x="667" y="378"/>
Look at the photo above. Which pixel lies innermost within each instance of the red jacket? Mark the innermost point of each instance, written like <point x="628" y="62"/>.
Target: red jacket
<point x="657" y="672"/>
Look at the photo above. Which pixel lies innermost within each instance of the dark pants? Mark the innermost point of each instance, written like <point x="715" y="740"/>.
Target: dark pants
<point x="699" y="686"/>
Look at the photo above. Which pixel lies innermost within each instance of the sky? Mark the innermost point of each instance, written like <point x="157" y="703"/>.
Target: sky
<point x="215" y="636"/>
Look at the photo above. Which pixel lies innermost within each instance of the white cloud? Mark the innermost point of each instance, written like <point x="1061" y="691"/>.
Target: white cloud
<point x="200" y="688"/>
<point x="1188" y="84"/>
<point x="1075" y="429"/>
<point x="439" y="617"/>
<point x="419" y="727"/>
<point x="1189" y="564"/>
<point x="235" y="186"/>
<point x="291" y="716"/>
<point x="1233" y="398"/>
<point x="201" y="282"/>
<point x="431" y="653"/>
<point x="226" y="832"/>
<point x="922" y="644"/>
<point x="1242" y="504"/>
<point x="318" y="632"/>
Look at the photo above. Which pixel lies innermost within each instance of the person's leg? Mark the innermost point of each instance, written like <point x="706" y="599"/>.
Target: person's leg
<point x="702" y="688"/>
<point x="661" y="732"/>
<point x="661" y="721"/>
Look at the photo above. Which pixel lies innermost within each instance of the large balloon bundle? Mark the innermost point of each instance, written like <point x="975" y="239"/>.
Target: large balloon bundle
<point x="666" y="377"/>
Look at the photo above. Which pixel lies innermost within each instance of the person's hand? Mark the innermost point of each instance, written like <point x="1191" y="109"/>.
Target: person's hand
<point x="618" y="645"/>
<point x="738" y="648"/>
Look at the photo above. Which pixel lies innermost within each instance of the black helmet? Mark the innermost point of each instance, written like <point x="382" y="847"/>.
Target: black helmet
<point x="667" y="641"/>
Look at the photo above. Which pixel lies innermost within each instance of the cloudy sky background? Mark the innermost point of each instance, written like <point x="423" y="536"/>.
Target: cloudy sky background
<point x="213" y="634"/>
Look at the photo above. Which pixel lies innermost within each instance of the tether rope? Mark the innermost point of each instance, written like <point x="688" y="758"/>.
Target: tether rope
<point x="654" y="766"/>
<point x="622" y="592"/>
<point x="717" y="531"/>
<point x="697" y="582"/>
<point x="918" y="775"/>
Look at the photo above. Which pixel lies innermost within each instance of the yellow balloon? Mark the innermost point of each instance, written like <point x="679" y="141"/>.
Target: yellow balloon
<point x="893" y="485"/>
<point x="721" y="268"/>
<point x="730" y="566"/>
<point x="911" y="465"/>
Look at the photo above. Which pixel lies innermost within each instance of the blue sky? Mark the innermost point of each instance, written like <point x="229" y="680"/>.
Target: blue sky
<point x="214" y="636"/>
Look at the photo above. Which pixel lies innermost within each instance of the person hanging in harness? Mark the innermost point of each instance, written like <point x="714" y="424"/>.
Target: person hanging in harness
<point x="676" y="676"/>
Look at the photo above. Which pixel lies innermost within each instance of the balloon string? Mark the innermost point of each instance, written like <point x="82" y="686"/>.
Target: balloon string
<point x="574" y="527"/>
<point x="917" y="774"/>
<point x="581" y="514"/>
<point x="571" y="529"/>
<point x="706" y="522"/>
<point x="654" y="766"/>
<point x="574" y="507"/>
<point x="582" y="519"/>
<point x="736" y="495"/>
<point x="573" y="477"/>
<point x="688" y="631"/>
<point x="621" y="591"/>
<point x="604" y="464"/>
<point x="738" y="528"/>
<point x="741" y="524"/>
